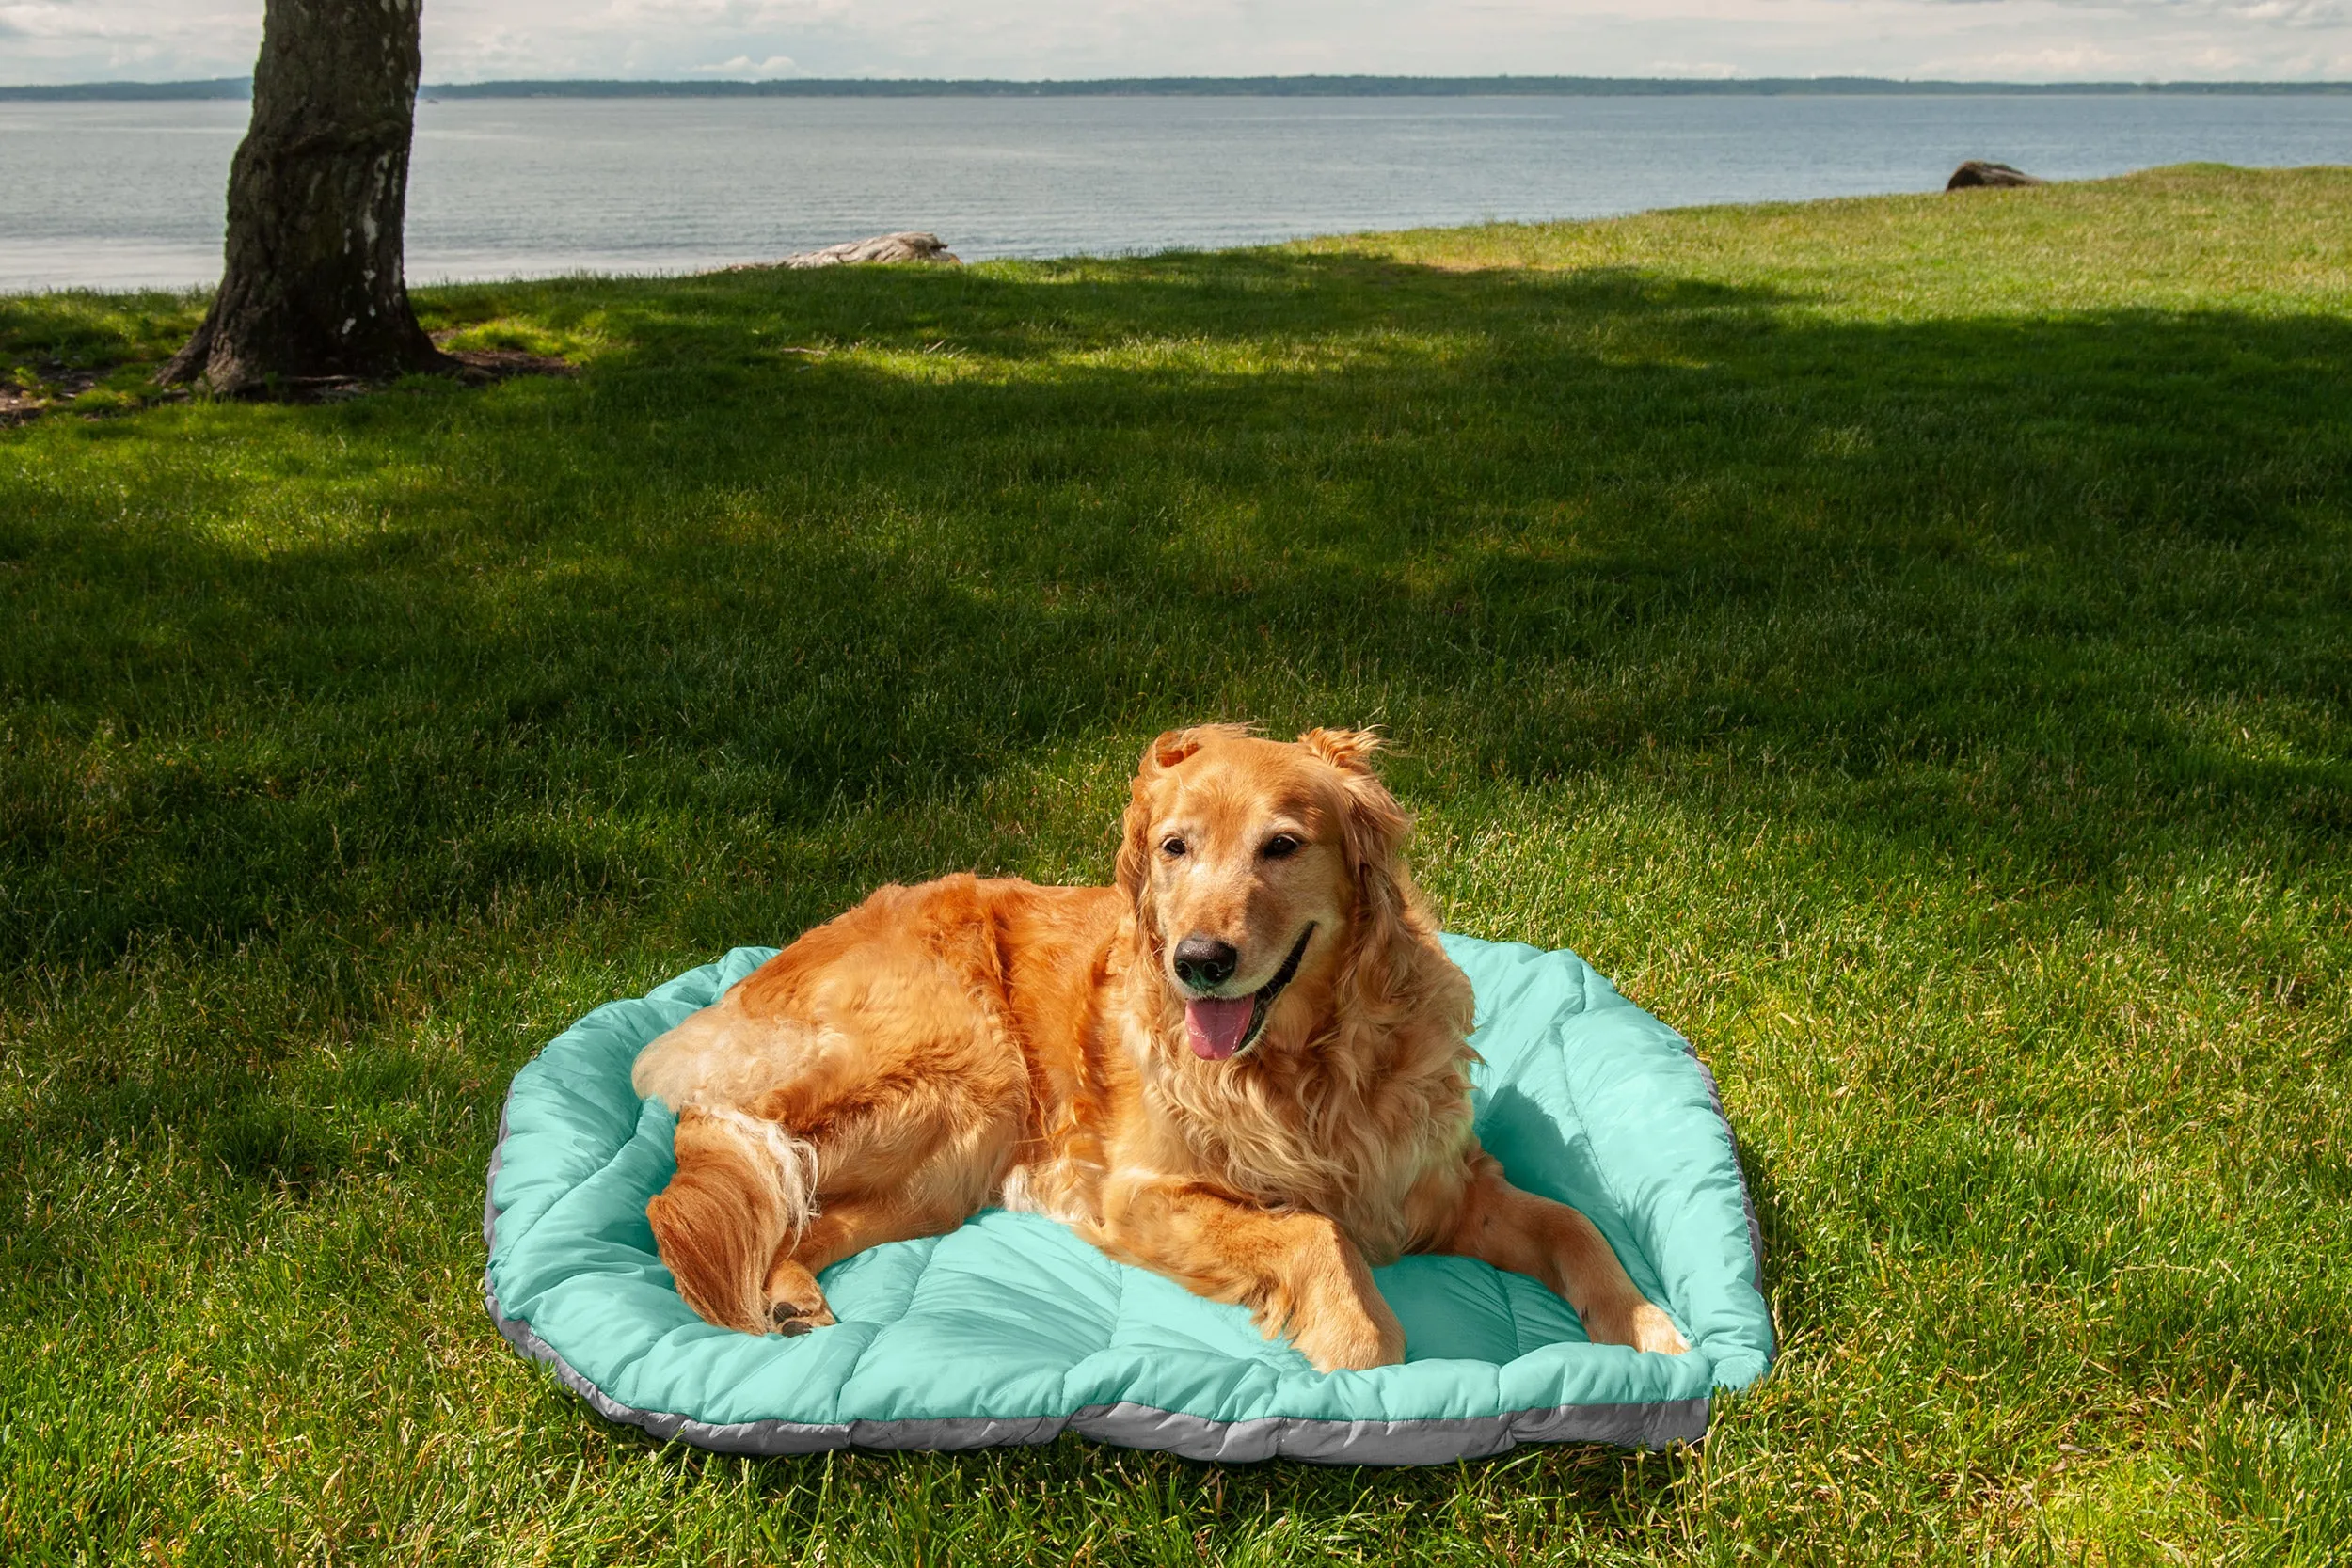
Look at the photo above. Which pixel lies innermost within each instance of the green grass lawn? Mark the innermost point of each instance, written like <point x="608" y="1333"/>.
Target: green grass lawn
<point x="1906" y="642"/>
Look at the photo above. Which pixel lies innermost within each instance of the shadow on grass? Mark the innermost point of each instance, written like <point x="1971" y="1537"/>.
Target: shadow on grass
<point x="2010" y="591"/>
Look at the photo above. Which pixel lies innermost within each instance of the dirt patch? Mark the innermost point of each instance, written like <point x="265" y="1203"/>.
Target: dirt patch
<point x="486" y="365"/>
<point x="476" y="367"/>
<point x="33" y="390"/>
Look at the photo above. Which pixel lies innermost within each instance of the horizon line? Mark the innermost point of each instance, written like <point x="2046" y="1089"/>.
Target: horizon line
<point x="1289" y="85"/>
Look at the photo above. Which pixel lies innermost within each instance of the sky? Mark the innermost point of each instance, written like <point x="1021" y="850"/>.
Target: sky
<point x="77" y="41"/>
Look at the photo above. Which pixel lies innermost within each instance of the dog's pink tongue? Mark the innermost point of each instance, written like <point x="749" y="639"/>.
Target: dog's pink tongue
<point x="1214" y="1028"/>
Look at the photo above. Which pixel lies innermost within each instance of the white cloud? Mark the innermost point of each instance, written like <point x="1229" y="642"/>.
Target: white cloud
<point x="52" y="41"/>
<point x="743" y="68"/>
<point x="469" y="39"/>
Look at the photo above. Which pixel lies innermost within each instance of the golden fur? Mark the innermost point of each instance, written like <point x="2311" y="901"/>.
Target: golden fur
<point x="945" y="1047"/>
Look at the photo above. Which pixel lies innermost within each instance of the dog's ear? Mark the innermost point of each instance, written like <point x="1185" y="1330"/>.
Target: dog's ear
<point x="1386" y="971"/>
<point x="1133" y="853"/>
<point x="1172" y="748"/>
<point x="1349" y="751"/>
<point x="1374" y="841"/>
<point x="1376" y="827"/>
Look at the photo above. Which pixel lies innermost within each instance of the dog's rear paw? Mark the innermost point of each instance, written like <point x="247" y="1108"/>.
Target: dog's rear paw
<point x="788" y="1320"/>
<point x="795" y="1304"/>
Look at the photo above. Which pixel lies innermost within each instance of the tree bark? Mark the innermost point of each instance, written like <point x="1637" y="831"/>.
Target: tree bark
<point x="313" y="292"/>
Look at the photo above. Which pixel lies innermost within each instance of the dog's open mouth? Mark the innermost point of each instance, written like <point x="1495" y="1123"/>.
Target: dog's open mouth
<point x="1217" y="1027"/>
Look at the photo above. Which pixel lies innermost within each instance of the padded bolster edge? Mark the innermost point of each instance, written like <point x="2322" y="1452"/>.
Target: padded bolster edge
<point x="1125" y="1425"/>
<point x="1137" y="1426"/>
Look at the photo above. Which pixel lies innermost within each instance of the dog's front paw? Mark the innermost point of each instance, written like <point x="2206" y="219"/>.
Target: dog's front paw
<point x="1654" y="1331"/>
<point x="1637" y="1323"/>
<point x="1347" y="1339"/>
<point x="1354" y="1349"/>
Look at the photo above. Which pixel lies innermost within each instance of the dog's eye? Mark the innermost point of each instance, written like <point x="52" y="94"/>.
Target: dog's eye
<point x="1281" y="846"/>
<point x="1172" y="846"/>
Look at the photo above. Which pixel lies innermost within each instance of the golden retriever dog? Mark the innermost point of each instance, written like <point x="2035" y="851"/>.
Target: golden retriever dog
<point x="1245" y="1066"/>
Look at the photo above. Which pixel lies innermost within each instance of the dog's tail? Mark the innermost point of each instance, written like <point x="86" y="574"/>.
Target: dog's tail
<point x="744" y="1187"/>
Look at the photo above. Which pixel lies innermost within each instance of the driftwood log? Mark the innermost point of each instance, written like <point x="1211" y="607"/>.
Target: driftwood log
<point x="909" y="246"/>
<point x="1977" y="175"/>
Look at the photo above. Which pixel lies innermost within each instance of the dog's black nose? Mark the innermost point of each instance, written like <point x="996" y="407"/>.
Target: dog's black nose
<point x="1205" y="962"/>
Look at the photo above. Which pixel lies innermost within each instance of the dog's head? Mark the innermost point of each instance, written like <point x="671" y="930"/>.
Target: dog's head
<point x="1256" y="866"/>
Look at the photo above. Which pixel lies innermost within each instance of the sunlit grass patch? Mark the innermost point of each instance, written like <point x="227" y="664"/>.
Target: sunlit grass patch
<point x="573" y="344"/>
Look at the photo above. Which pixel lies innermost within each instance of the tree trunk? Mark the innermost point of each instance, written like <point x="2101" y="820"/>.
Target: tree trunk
<point x="313" y="292"/>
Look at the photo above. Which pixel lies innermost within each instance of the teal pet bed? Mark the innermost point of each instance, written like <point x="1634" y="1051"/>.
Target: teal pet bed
<point x="1012" y="1330"/>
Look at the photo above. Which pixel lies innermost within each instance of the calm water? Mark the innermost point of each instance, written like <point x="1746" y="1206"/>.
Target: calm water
<point x="116" y="195"/>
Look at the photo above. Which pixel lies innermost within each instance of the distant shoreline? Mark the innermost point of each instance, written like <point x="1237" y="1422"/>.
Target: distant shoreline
<point x="1210" y="87"/>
